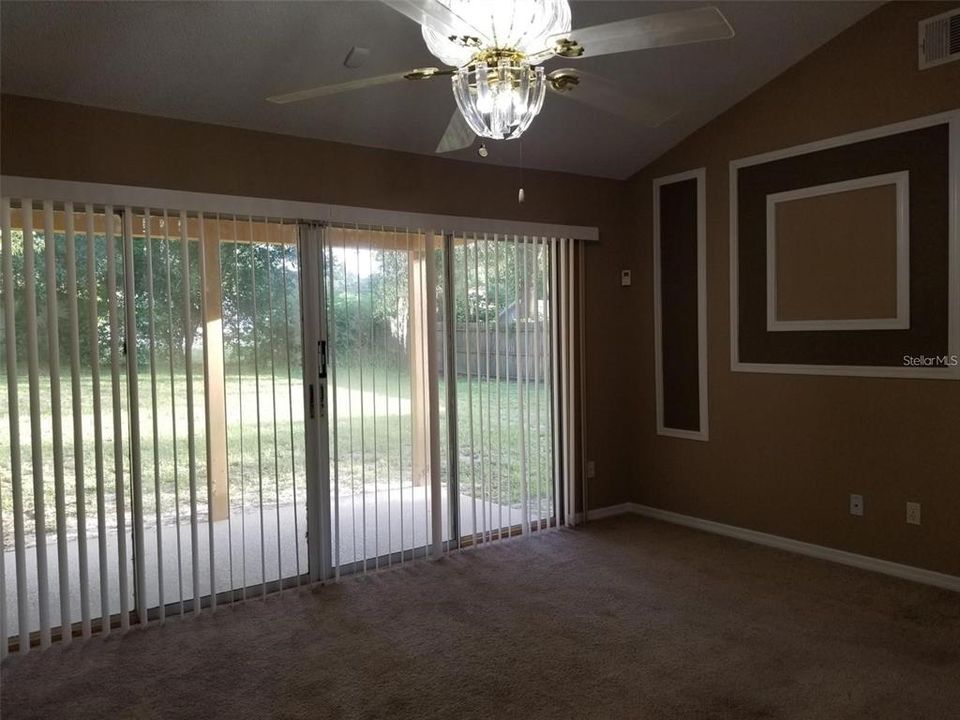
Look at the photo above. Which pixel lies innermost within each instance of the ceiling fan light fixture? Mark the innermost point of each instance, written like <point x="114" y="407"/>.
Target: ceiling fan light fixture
<point x="525" y="26"/>
<point x="499" y="101"/>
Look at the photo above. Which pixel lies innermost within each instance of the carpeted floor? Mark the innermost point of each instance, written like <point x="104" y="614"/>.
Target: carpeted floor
<point x="628" y="618"/>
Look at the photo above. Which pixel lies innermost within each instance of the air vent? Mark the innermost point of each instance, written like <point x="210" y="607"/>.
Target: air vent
<point x="940" y="39"/>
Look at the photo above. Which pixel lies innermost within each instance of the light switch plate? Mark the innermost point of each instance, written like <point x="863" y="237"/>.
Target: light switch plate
<point x="856" y="505"/>
<point x="625" y="280"/>
<point x="913" y="513"/>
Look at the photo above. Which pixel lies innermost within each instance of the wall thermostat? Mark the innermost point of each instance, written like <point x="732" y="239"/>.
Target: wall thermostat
<point x="625" y="278"/>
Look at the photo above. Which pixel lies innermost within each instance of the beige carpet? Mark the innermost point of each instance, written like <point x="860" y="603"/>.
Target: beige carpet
<point x="629" y="618"/>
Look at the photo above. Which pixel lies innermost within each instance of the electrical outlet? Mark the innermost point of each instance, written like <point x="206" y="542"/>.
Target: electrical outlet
<point x="856" y="505"/>
<point x="591" y="469"/>
<point x="913" y="513"/>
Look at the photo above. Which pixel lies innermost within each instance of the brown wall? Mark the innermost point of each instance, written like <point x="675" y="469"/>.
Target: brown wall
<point x="785" y="451"/>
<point x="71" y="142"/>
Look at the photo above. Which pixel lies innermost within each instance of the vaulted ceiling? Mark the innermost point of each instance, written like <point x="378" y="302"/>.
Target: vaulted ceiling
<point x="216" y="62"/>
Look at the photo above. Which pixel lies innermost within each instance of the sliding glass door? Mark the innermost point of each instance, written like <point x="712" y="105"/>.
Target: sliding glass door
<point x="153" y="459"/>
<point x="207" y="407"/>
<point x="487" y="352"/>
<point x="379" y="291"/>
<point x="218" y="370"/>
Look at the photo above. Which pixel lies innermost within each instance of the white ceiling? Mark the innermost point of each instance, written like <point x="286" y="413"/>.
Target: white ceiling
<point x="216" y="61"/>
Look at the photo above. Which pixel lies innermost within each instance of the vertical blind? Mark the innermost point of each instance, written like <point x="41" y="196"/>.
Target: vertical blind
<point x="164" y="369"/>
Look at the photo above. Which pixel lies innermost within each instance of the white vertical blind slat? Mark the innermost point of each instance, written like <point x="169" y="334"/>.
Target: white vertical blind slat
<point x="466" y="353"/>
<point x="424" y="390"/>
<point x="483" y="460"/>
<point x="207" y="414"/>
<point x="173" y="407"/>
<point x="406" y="236"/>
<point x="133" y="417"/>
<point x="36" y="437"/>
<point x="95" y="395"/>
<point x="240" y="393"/>
<point x="561" y="381"/>
<point x="536" y="376"/>
<point x="191" y="419"/>
<point x="118" y="467"/>
<point x="363" y="422"/>
<point x="571" y="380"/>
<point x="13" y="407"/>
<point x="582" y="366"/>
<point x="376" y="448"/>
<point x="546" y="355"/>
<point x="154" y="415"/>
<point x="333" y="362"/>
<point x="226" y="393"/>
<point x="11" y="393"/>
<point x="385" y="312"/>
<point x="488" y="492"/>
<point x="56" y="419"/>
<point x="555" y="395"/>
<point x="293" y="455"/>
<point x="273" y="399"/>
<point x="521" y="373"/>
<point x="77" y="416"/>
<point x="496" y="332"/>
<point x="528" y="404"/>
<point x="433" y="392"/>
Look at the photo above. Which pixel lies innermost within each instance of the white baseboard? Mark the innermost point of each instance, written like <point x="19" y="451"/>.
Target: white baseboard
<point x="864" y="562"/>
<point x="609" y="511"/>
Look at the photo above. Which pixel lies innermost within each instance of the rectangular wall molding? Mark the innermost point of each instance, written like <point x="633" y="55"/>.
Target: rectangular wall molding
<point x="864" y="562"/>
<point x="680" y="304"/>
<point x="900" y="181"/>
<point x="920" y="337"/>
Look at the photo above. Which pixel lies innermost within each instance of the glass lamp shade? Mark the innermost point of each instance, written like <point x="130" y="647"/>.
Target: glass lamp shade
<point x="499" y="102"/>
<point x="524" y="26"/>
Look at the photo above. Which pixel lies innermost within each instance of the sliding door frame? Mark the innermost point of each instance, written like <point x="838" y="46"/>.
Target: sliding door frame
<point x="322" y="565"/>
<point x="313" y="305"/>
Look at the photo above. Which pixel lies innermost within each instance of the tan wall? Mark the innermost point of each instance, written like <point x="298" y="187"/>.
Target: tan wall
<point x="785" y="451"/>
<point x="70" y="142"/>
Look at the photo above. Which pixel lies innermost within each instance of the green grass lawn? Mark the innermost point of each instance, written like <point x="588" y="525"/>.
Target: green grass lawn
<point x="373" y="440"/>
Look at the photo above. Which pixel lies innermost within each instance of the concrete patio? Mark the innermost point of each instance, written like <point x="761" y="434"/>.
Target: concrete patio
<point x="371" y="525"/>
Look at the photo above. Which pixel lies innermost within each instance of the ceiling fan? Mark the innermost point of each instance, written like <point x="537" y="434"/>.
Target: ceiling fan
<point x="494" y="50"/>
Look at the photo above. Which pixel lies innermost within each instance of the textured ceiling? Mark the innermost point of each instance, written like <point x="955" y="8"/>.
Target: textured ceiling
<point x="215" y="62"/>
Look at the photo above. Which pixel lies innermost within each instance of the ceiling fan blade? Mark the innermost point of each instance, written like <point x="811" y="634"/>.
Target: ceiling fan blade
<point x="652" y="31"/>
<point x="323" y="90"/>
<point x="600" y="93"/>
<point x="436" y="16"/>
<point x="457" y="136"/>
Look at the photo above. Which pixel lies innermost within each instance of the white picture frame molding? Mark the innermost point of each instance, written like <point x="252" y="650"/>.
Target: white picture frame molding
<point x="950" y="371"/>
<point x="901" y="321"/>
<point x="703" y="434"/>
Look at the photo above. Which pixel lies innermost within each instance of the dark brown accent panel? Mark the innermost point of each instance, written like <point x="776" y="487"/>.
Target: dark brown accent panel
<point x="679" y="305"/>
<point x="924" y="154"/>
